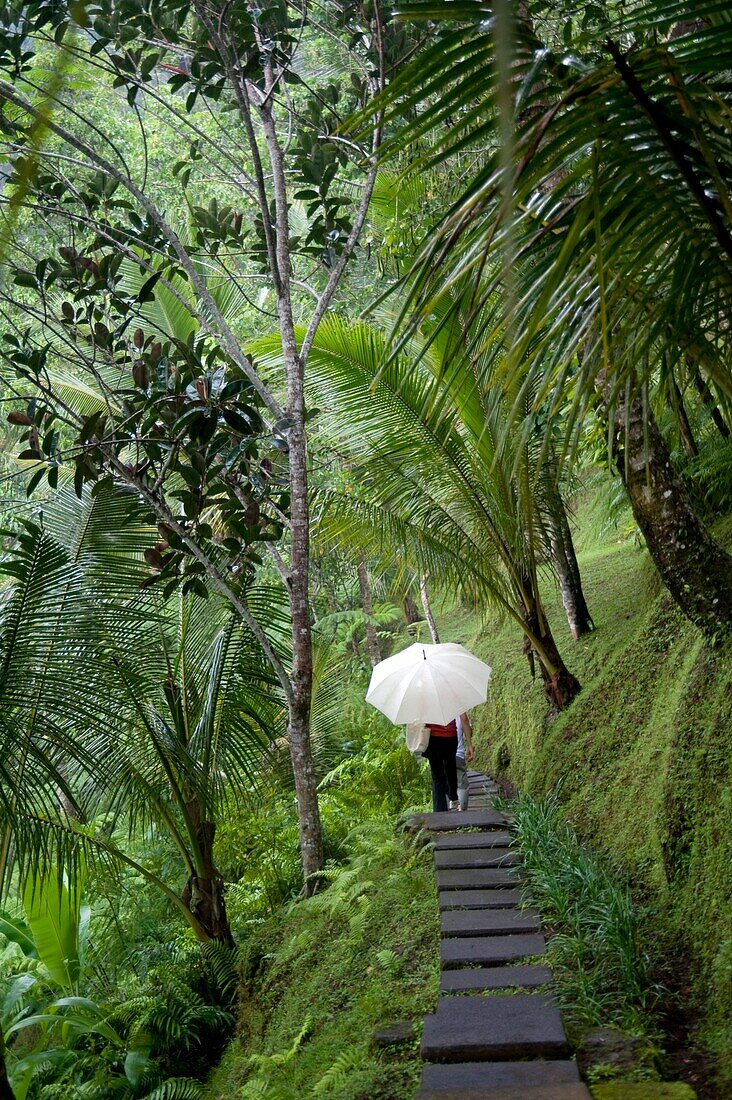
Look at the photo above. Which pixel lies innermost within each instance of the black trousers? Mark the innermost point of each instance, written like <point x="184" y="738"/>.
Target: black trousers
<point x="441" y="754"/>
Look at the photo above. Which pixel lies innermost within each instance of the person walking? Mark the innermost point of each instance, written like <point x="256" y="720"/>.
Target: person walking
<point x="441" y="752"/>
<point x="449" y="751"/>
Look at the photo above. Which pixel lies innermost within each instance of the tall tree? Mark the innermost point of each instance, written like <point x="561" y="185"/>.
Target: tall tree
<point x="154" y="407"/>
<point x="693" y="566"/>
<point x="564" y="560"/>
<point x="367" y="603"/>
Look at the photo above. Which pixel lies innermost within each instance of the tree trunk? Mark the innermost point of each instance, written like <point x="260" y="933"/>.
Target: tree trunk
<point x="411" y="613"/>
<point x="204" y="891"/>
<point x="566" y="566"/>
<point x="560" y="685"/>
<point x="694" y="568"/>
<point x="6" y="1093"/>
<point x="298" y="729"/>
<point x="300" y="698"/>
<point x="372" y="641"/>
<point x="428" y="610"/>
<point x="707" y="397"/>
<point x="685" y="433"/>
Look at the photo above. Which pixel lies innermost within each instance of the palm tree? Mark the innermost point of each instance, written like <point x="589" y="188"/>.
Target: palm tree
<point x="595" y="230"/>
<point x="118" y="704"/>
<point x="433" y="476"/>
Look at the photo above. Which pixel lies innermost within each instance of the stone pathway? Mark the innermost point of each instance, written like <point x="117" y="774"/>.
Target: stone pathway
<point x="496" y="1033"/>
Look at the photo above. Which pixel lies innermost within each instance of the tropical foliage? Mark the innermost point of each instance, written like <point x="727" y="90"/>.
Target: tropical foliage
<point x="312" y="314"/>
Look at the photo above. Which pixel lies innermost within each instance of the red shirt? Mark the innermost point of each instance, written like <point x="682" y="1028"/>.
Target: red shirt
<point x="450" y="730"/>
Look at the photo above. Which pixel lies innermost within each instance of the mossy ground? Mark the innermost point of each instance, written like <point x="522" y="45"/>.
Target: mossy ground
<point x="646" y="1091"/>
<point x="331" y="972"/>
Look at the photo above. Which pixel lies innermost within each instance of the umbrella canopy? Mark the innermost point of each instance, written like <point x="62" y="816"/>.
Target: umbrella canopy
<point x="428" y="683"/>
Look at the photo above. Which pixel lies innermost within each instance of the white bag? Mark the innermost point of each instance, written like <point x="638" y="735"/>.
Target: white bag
<point x="418" y="736"/>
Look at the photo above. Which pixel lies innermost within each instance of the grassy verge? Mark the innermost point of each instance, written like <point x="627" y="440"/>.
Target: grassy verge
<point x="327" y="973"/>
<point x="601" y="969"/>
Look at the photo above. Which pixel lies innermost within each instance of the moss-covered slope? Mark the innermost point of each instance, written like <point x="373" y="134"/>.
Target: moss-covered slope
<point x="330" y="972"/>
<point x="644" y="756"/>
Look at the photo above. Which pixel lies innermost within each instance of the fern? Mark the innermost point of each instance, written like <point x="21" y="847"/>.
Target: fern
<point x="176" y="1088"/>
<point x="338" y="1074"/>
<point x="222" y="964"/>
<point x="261" y="1061"/>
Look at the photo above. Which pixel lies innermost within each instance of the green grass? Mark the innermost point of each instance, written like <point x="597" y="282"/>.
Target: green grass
<point x="326" y="973"/>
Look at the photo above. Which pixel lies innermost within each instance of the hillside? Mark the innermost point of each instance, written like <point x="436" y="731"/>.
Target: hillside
<point x="644" y="759"/>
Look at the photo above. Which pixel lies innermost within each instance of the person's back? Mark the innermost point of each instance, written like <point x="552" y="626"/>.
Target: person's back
<point x="440" y="753"/>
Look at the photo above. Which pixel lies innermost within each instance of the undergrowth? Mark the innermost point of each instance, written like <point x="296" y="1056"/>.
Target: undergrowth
<point x="324" y="974"/>
<point x="601" y="970"/>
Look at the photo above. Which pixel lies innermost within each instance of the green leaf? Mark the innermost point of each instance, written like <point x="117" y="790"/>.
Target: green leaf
<point x="52" y="910"/>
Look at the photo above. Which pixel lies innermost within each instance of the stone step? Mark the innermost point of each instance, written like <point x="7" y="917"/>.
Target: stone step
<point x="449" y="820"/>
<point x="489" y="950"/>
<point x="522" y="1092"/>
<point x="488" y="922"/>
<point x="498" y="1028"/>
<point x="476" y="878"/>
<point x="472" y="840"/>
<point x="494" y="977"/>
<point x="480" y="899"/>
<point x="476" y="857"/>
<point x="490" y="1075"/>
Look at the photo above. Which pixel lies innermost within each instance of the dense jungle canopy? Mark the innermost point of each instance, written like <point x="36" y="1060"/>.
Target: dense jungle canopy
<point x="325" y="326"/>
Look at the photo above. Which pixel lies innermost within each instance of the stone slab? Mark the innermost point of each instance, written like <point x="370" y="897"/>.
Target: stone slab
<point x="523" y="1092"/>
<point x="497" y="839"/>
<point x="476" y="878"/>
<point x="494" y="977"/>
<point x="451" y="819"/>
<point x="480" y="899"/>
<point x="401" y="1032"/>
<point x="476" y="857"/>
<point x="489" y="950"/>
<point x="496" y="1028"/>
<point x="488" y="922"/>
<point x="474" y="1075"/>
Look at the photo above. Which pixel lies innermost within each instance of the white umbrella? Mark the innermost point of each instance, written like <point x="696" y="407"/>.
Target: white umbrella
<point x="428" y="683"/>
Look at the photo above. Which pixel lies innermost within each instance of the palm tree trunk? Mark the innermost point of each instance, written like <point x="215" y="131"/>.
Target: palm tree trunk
<point x="707" y="397"/>
<point x="693" y="566"/>
<point x="560" y="685"/>
<point x="204" y="891"/>
<point x="428" y="610"/>
<point x="566" y="566"/>
<point x="367" y="603"/>
<point x="682" y="419"/>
